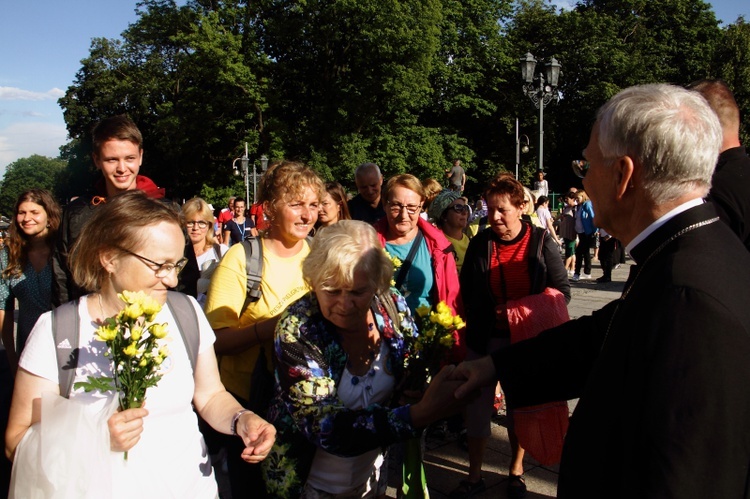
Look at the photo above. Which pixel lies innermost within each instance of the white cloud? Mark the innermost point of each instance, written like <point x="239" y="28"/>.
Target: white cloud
<point x="16" y="94"/>
<point x="21" y="140"/>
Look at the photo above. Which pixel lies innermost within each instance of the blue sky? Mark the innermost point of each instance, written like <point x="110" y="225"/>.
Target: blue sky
<point x="43" y="41"/>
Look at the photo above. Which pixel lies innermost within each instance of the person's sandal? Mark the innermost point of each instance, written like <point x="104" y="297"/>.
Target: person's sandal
<point x="516" y="487"/>
<point x="467" y="489"/>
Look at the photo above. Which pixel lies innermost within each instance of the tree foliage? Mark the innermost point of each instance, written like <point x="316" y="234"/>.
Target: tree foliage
<point x="409" y="84"/>
<point x="35" y="171"/>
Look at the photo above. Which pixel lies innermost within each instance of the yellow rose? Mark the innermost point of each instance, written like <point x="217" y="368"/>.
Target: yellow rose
<point x="151" y="307"/>
<point x="445" y="320"/>
<point x="135" y="333"/>
<point x="130" y="350"/>
<point x="128" y="296"/>
<point x="106" y="332"/>
<point x="158" y="360"/>
<point x="164" y="351"/>
<point x="423" y="310"/>
<point x="447" y="340"/>
<point x="133" y="311"/>
<point x="443" y="308"/>
<point x="458" y="322"/>
<point x="159" y="330"/>
<point x="143" y="362"/>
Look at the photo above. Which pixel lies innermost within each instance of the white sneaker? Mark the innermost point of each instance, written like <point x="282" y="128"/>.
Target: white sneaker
<point x="575" y="277"/>
<point x="570" y="273"/>
<point x="585" y="276"/>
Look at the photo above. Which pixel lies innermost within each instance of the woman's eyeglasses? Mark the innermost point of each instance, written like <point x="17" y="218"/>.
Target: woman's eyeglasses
<point x="161" y="270"/>
<point x="201" y="224"/>
<point x="397" y="208"/>
<point x="459" y="208"/>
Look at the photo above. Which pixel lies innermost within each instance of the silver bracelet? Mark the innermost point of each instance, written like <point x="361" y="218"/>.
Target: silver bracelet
<point x="236" y="419"/>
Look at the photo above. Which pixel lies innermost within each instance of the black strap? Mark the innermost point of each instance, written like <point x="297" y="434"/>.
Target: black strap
<point x="406" y="265"/>
<point x="66" y="333"/>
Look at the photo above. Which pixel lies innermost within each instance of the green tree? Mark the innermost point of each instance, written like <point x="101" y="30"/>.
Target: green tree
<point x="185" y="76"/>
<point x="732" y="62"/>
<point x="26" y="173"/>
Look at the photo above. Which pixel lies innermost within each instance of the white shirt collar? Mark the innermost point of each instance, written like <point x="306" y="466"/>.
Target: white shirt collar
<point x="661" y="221"/>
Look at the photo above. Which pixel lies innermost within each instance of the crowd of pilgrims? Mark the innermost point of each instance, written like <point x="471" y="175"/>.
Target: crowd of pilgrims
<point x="307" y="372"/>
<point x="281" y="330"/>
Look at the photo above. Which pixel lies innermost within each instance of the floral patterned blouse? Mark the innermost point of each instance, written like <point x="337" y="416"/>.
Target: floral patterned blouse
<point x="306" y="411"/>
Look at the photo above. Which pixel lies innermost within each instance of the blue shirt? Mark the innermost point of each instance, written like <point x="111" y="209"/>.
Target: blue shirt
<point x="419" y="281"/>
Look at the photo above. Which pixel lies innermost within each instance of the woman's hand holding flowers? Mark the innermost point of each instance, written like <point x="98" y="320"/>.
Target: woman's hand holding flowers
<point x="125" y="428"/>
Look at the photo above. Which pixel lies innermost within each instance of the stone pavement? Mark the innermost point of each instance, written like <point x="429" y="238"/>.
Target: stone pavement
<point x="446" y="463"/>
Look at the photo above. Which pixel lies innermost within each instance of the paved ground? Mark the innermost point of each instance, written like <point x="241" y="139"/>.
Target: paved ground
<point x="446" y="463"/>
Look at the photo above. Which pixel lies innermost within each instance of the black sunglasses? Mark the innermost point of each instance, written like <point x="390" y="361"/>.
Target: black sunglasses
<point x="459" y="208"/>
<point x="580" y="167"/>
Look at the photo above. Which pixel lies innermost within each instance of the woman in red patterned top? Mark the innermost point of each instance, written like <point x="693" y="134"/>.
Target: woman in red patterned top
<point x="510" y="261"/>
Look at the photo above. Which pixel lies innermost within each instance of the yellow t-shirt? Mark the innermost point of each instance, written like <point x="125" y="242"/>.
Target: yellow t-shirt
<point x="281" y="285"/>
<point x="460" y="247"/>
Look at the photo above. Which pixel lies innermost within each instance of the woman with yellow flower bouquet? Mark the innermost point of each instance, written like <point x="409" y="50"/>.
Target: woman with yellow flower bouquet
<point x="130" y="350"/>
<point x="339" y="362"/>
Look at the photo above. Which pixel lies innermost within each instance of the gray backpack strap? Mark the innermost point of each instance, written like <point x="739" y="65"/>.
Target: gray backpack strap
<point x="187" y="322"/>
<point x="66" y="334"/>
<point x="253" y="269"/>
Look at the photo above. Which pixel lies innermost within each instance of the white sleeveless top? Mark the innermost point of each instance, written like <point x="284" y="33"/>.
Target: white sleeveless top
<point x="336" y="474"/>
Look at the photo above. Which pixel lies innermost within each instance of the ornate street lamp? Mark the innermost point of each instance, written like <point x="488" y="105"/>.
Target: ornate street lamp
<point x="520" y="147"/>
<point x="541" y="89"/>
<point x="244" y="163"/>
<point x="263" y="167"/>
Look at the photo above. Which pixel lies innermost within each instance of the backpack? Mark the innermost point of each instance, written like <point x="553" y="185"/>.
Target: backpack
<point x="254" y="268"/>
<point x="66" y="334"/>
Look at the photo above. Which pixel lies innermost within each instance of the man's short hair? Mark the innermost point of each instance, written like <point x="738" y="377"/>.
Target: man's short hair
<point x="119" y="127"/>
<point x="366" y="168"/>
<point x="670" y="131"/>
<point x="721" y="99"/>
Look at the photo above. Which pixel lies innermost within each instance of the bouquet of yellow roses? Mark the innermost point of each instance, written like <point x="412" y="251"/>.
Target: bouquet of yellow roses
<point x="426" y="355"/>
<point x="428" y="352"/>
<point x="132" y="338"/>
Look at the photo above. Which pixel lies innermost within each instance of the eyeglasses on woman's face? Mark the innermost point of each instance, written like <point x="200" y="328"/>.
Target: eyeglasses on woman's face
<point x="201" y="224"/>
<point x="459" y="208"/>
<point x="396" y="208"/>
<point x="161" y="270"/>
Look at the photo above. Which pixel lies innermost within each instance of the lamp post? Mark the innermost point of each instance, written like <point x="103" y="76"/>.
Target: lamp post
<point x="541" y="89"/>
<point x="244" y="162"/>
<point x="263" y="167"/>
<point x="520" y="148"/>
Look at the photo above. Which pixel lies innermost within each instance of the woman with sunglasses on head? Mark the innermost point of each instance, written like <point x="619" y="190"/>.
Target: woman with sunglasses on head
<point x="199" y="222"/>
<point x="26" y="267"/>
<point x="131" y="243"/>
<point x="450" y="213"/>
